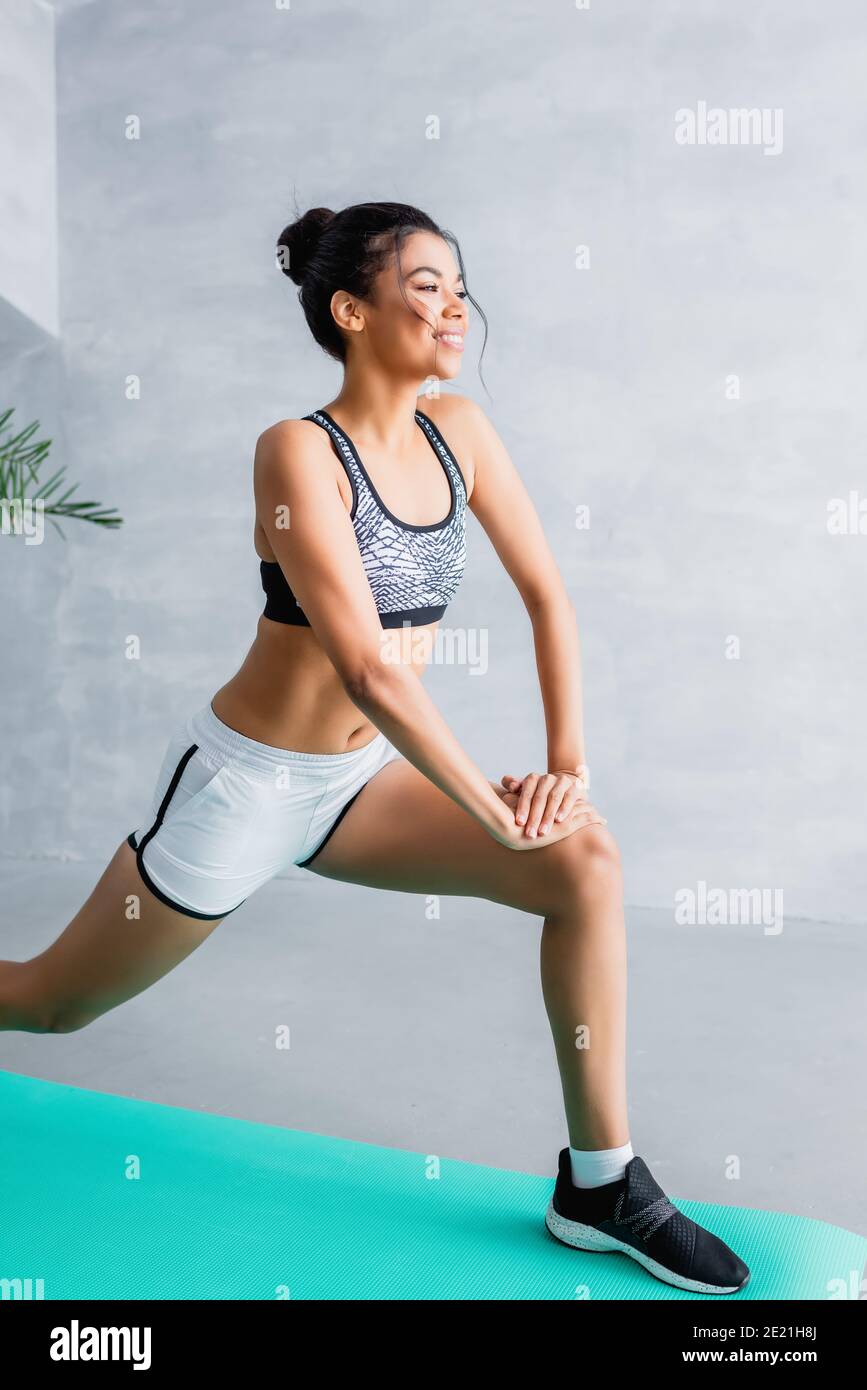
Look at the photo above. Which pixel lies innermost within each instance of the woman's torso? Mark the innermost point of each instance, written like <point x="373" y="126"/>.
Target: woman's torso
<point x="287" y="693"/>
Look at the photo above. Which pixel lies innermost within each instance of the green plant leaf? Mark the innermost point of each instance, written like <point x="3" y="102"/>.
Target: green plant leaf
<point x="18" y="455"/>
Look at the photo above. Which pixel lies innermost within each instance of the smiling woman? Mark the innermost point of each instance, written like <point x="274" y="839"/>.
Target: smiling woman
<point x="325" y="752"/>
<point x="385" y="229"/>
<point x="451" y="337"/>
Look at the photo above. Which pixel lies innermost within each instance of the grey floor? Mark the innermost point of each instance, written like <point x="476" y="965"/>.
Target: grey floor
<point x="431" y="1035"/>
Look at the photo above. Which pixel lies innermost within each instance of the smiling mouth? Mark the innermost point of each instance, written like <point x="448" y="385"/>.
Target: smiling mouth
<point x="453" y="340"/>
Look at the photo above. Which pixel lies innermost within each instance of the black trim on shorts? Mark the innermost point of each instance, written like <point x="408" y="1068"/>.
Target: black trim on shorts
<point x="146" y="839"/>
<point x="303" y="863"/>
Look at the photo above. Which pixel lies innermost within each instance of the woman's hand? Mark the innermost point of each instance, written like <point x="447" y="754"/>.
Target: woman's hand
<point x="547" y="806"/>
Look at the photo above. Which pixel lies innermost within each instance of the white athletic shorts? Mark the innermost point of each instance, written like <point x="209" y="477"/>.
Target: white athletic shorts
<point x="228" y="813"/>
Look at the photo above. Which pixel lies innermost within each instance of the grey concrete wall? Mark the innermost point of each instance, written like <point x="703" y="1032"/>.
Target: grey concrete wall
<point x="721" y="621"/>
<point x="28" y="168"/>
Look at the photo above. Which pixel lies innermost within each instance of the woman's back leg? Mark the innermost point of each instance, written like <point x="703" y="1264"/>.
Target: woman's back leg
<point x="120" y="941"/>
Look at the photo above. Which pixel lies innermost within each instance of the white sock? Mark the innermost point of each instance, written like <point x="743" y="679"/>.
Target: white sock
<point x="594" y="1167"/>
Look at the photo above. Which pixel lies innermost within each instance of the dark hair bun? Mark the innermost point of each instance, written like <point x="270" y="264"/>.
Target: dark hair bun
<point x="297" y="243"/>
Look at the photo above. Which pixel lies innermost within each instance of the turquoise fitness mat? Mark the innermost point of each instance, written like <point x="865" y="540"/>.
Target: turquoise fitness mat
<point x="223" y="1208"/>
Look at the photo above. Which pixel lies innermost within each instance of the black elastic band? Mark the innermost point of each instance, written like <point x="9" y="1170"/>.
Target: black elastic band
<point x="416" y="617"/>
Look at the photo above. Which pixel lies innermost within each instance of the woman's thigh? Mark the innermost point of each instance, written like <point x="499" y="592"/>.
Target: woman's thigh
<point x="120" y="941"/>
<point x="403" y="833"/>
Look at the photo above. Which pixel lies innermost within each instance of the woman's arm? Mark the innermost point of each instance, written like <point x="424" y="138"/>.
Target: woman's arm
<point x="304" y="516"/>
<point x="558" y="661"/>
<point x="503" y="507"/>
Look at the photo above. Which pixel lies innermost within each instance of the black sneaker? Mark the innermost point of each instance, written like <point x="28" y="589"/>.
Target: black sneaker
<point x="633" y="1215"/>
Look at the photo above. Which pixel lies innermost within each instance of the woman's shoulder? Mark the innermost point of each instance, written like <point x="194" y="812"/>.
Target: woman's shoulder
<point x="449" y="408"/>
<point x="285" y="431"/>
<point x="291" y="452"/>
<point x="288" y="440"/>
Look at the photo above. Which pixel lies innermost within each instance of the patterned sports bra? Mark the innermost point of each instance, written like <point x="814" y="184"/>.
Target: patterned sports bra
<point x="414" y="571"/>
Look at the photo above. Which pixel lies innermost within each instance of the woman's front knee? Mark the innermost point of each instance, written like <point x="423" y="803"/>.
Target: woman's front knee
<point x="587" y="861"/>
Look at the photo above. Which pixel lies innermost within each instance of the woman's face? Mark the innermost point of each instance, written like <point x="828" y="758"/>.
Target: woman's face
<point x="424" y="336"/>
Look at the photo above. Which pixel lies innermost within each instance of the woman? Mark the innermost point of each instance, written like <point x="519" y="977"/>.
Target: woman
<point x="325" y="751"/>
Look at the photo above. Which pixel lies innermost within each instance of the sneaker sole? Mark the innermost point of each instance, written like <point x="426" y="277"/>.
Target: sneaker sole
<point x="582" y="1237"/>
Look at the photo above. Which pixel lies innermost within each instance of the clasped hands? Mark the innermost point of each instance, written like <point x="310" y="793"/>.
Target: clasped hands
<point x="542" y="800"/>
